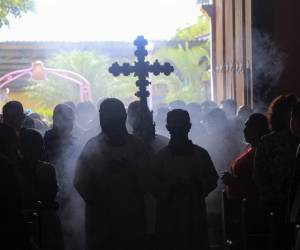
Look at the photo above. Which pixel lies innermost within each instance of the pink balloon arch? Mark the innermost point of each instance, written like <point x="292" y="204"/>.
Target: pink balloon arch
<point x="38" y="72"/>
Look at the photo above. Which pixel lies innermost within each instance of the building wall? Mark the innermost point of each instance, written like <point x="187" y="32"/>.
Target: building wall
<point x="233" y="51"/>
<point x="280" y="20"/>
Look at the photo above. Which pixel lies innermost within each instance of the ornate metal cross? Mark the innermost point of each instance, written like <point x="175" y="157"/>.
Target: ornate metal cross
<point x="141" y="70"/>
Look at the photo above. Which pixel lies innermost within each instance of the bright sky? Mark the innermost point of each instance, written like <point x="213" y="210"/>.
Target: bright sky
<point x="89" y="20"/>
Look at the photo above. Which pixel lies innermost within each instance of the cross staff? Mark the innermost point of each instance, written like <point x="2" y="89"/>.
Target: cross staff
<point x="141" y="70"/>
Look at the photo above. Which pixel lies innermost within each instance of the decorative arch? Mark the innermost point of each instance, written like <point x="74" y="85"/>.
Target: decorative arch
<point x="38" y="72"/>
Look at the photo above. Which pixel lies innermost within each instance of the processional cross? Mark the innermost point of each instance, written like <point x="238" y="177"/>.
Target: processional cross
<point x="141" y="69"/>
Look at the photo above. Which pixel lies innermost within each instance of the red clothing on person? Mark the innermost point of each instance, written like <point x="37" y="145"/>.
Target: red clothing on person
<point x="242" y="170"/>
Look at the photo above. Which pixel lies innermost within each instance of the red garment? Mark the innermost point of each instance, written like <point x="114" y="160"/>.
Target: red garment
<point x="242" y="169"/>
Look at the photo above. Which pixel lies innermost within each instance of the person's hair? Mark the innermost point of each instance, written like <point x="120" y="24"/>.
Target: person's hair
<point x="260" y="121"/>
<point x="178" y="114"/>
<point x="278" y="112"/>
<point x="112" y="113"/>
<point x="64" y="110"/>
<point x="13" y="113"/>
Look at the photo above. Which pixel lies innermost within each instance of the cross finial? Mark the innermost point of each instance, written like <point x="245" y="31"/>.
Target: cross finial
<point x="141" y="69"/>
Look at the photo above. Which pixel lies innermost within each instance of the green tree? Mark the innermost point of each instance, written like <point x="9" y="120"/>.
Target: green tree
<point x="14" y="8"/>
<point x="201" y="27"/>
<point x="192" y="63"/>
<point x="93" y="67"/>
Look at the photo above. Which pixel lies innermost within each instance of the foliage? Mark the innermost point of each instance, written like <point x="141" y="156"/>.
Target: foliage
<point x="14" y="8"/>
<point x="202" y="27"/>
<point x="93" y="67"/>
<point x="191" y="63"/>
<point x="191" y="69"/>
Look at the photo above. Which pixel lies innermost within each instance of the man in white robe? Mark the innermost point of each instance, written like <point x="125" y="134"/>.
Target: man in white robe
<point x="110" y="177"/>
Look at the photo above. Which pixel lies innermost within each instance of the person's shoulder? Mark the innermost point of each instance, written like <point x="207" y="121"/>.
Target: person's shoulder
<point x="94" y="140"/>
<point x="269" y="136"/>
<point x="200" y="150"/>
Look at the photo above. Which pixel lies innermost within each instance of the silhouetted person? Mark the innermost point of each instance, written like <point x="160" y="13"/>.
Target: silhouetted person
<point x="28" y="122"/>
<point x="274" y="165"/>
<point x="240" y="182"/>
<point x="275" y="157"/>
<point x="244" y="113"/>
<point x="207" y="106"/>
<point x="295" y="188"/>
<point x="156" y="142"/>
<point x="62" y="152"/>
<point x="59" y="142"/>
<point x="38" y="184"/>
<point x="13" y="115"/>
<point x="110" y="178"/>
<point x="183" y="175"/>
<point x="230" y="108"/>
<point x="13" y="232"/>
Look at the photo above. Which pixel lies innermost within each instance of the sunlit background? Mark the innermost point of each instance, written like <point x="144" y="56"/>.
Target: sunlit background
<point x="98" y="20"/>
<point x="87" y="36"/>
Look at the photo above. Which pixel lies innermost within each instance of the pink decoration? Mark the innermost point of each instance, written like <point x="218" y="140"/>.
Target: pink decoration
<point x="39" y="72"/>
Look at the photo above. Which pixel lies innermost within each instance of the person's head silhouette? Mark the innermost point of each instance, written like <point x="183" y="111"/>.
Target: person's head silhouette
<point x="256" y="127"/>
<point x="63" y="119"/>
<point x="13" y="114"/>
<point x="178" y="124"/>
<point x="31" y="145"/>
<point x="113" y="118"/>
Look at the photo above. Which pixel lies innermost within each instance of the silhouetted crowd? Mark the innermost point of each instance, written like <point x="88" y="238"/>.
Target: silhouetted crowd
<point x="205" y="175"/>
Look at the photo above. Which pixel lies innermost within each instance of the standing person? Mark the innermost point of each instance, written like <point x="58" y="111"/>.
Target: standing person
<point x="274" y="159"/>
<point x="154" y="143"/>
<point x="183" y="175"/>
<point x="62" y="152"/>
<point x="38" y="184"/>
<point x="274" y="166"/>
<point x="295" y="188"/>
<point x="13" y="231"/>
<point x="110" y="179"/>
